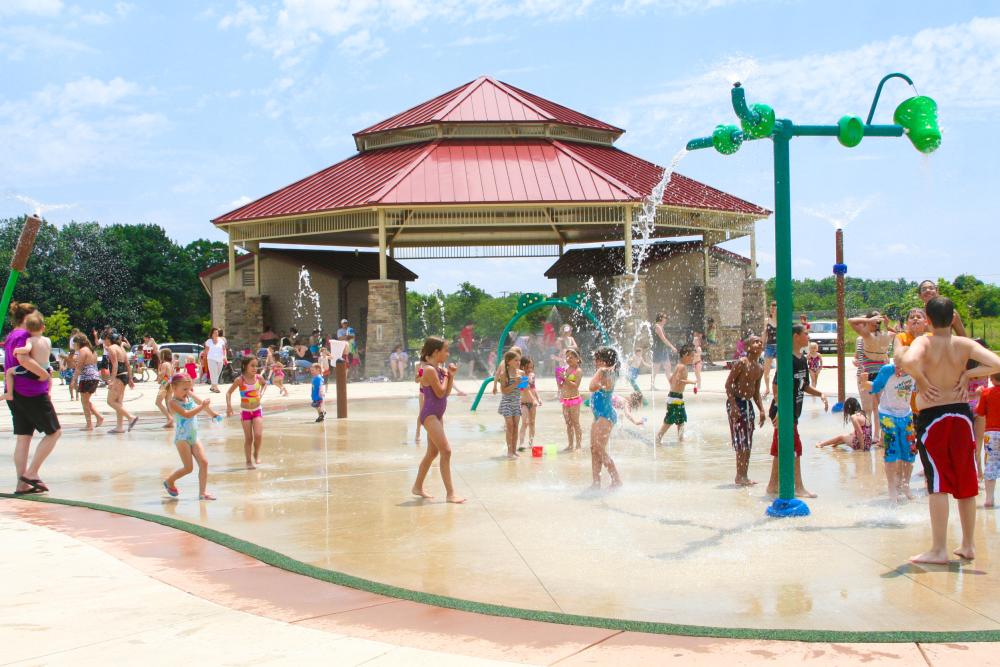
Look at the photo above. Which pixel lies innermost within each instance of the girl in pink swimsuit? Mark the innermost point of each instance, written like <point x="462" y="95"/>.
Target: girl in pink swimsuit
<point x="435" y="385"/>
<point x="251" y="387"/>
<point x="568" y="378"/>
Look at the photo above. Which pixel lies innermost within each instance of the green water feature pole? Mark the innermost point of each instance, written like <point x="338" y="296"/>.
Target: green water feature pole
<point x="19" y="261"/>
<point x="916" y="117"/>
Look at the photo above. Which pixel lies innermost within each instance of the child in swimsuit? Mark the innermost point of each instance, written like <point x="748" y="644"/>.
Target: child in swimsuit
<point x="602" y="387"/>
<point x="815" y="363"/>
<point x="676" y="414"/>
<point x="435" y="385"/>
<point x="163" y="375"/>
<point x="568" y="378"/>
<point x="278" y="377"/>
<point x="529" y="401"/>
<point x="186" y="409"/>
<point x="510" y="401"/>
<point x="860" y="437"/>
<point x="251" y="387"/>
<point x="629" y="406"/>
<point x="639" y="358"/>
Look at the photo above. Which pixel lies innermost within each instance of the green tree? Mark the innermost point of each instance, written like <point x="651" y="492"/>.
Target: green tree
<point x="57" y="326"/>
<point x="151" y="321"/>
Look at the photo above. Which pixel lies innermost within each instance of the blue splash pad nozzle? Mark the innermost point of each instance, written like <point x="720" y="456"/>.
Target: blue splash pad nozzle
<point x="782" y="508"/>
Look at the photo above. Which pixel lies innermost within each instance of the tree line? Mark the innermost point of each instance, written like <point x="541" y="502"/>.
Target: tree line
<point x="133" y="277"/>
<point x="973" y="297"/>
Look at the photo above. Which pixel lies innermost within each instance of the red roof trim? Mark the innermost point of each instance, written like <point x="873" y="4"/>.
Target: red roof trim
<point x="221" y="266"/>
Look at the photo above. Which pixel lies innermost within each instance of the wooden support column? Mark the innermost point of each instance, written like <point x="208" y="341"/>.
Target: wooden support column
<point x="753" y="250"/>
<point x="383" y="262"/>
<point x="232" y="265"/>
<point x="628" y="239"/>
<point x="704" y="258"/>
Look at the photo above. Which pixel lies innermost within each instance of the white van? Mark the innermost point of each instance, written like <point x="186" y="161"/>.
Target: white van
<point x="824" y="333"/>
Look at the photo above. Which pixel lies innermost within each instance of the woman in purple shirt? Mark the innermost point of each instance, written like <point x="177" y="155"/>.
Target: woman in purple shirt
<point x="31" y="409"/>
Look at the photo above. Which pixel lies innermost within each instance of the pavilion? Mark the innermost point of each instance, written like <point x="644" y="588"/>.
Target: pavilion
<point x="483" y="170"/>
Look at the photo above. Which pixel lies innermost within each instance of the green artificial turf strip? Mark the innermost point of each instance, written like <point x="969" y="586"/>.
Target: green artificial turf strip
<point x="284" y="562"/>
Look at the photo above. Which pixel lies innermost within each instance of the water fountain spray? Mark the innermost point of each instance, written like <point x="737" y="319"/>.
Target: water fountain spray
<point x="916" y="117"/>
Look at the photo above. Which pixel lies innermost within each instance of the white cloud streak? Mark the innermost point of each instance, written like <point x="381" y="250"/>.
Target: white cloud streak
<point x="958" y="65"/>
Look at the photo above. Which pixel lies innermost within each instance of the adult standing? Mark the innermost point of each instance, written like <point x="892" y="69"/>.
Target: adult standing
<point x="150" y="352"/>
<point x="661" y="348"/>
<point x="346" y="334"/>
<point x="30" y="409"/>
<point x="928" y="290"/>
<point x="466" y="339"/>
<point x="215" y="349"/>
<point x="121" y="377"/>
<point x="303" y="357"/>
<point x="86" y="378"/>
<point x="268" y="338"/>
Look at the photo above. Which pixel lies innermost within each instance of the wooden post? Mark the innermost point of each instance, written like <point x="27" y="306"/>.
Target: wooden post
<point x="341" y="370"/>
<point x="841" y="366"/>
<point x="383" y="264"/>
<point x="232" y="265"/>
<point x="628" y="239"/>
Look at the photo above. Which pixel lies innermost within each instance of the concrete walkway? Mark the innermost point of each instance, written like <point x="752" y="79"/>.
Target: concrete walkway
<point x="85" y="587"/>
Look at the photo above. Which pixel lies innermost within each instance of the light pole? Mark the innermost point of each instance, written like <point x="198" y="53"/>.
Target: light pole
<point x="916" y="117"/>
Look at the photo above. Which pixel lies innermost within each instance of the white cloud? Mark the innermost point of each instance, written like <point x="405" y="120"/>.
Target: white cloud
<point x="470" y="40"/>
<point x="35" y="7"/>
<point x="18" y="42"/>
<point x="958" y="65"/>
<point x="298" y="24"/>
<point x="900" y="249"/>
<point x="79" y="126"/>
<point x="362" y="46"/>
<point x="236" y="203"/>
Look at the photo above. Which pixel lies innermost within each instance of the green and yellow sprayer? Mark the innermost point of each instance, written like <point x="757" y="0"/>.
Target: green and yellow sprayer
<point x="916" y="117"/>
<point x="25" y="243"/>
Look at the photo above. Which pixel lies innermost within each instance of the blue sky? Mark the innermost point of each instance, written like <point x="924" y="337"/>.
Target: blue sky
<point x="172" y="113"/>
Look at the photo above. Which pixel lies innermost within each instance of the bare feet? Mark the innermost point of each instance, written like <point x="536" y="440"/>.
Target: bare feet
<point x="455" y="499"/>
<point x="803" y="493"/>
<point x="257" y="461"/>
<point x="420" y="493"/>
<point x="615" y="485"/>
<point x="168" y="425"/>
<point x="206" y="496"/>
<point x="968" y="553"/>
<point x="88" y="427"/>
<point x="988" y="505"/>
<point x="931" y="557"/>
<point x="100" y="421"/>
<point x="745" y="482"/>
<point x="908" y="493"/>
<point x="568" y="449"/>
<point x="771" y="491"/>
<point x="251" y="466"/>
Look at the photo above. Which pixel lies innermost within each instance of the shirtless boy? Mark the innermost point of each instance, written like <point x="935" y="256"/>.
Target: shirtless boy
<point x="676" y="414"/>
<point x="742" y="393"/>
<point x="944" y="425"/>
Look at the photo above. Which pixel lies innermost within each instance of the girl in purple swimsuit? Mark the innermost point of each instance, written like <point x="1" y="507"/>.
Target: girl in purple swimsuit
<point x="435" y="385"/>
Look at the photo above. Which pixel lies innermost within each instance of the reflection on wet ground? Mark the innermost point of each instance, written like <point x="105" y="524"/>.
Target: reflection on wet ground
<point x="679" y="543"/>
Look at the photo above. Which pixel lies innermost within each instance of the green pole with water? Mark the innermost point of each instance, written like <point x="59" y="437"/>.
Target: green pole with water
<point x="916" y="117"/>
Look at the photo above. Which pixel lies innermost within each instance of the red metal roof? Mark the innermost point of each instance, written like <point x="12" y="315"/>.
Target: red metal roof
<point x="642" y="176"/>
<point x="487" y="171"/>
<point x="490" y="101"/>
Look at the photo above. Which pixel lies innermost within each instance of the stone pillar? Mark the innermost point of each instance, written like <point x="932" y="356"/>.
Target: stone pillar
<point x="628" y="330"/>
<point x="754" y="307"/>
<point x="243" y="318"/>
<point x="384" y="328"/>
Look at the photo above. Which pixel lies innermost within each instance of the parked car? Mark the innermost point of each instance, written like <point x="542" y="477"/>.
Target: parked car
<point x="183" y="349"/>
<point x="824" y="333"/>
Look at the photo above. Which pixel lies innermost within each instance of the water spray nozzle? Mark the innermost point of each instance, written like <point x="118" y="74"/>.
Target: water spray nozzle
<point x="727" y="139"/>
<point x="918" y="116"/>
<point x="850" y="131"/>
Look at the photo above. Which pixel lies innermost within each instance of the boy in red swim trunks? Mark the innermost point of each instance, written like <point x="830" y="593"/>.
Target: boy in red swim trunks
<point x="945" y="438"/>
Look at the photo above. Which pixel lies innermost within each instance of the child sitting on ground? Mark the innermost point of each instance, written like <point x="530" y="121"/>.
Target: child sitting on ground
<point x="899" y="438"/>
<point x="627" y="407"/>
<point x="859" y="438"/>
<point x="988" y="408"/>
<point x="37" y="347"/>
<point x="676" y="414"/>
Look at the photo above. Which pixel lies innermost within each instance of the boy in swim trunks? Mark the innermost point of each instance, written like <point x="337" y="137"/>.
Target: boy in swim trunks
<point x="742" y="393"/>
<point x="676" y="414"/>
<point x="989" y="409"/>
<point x="899" y="440"/>
<point x="800" y="387"/>
<point x="944" y="426"/>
